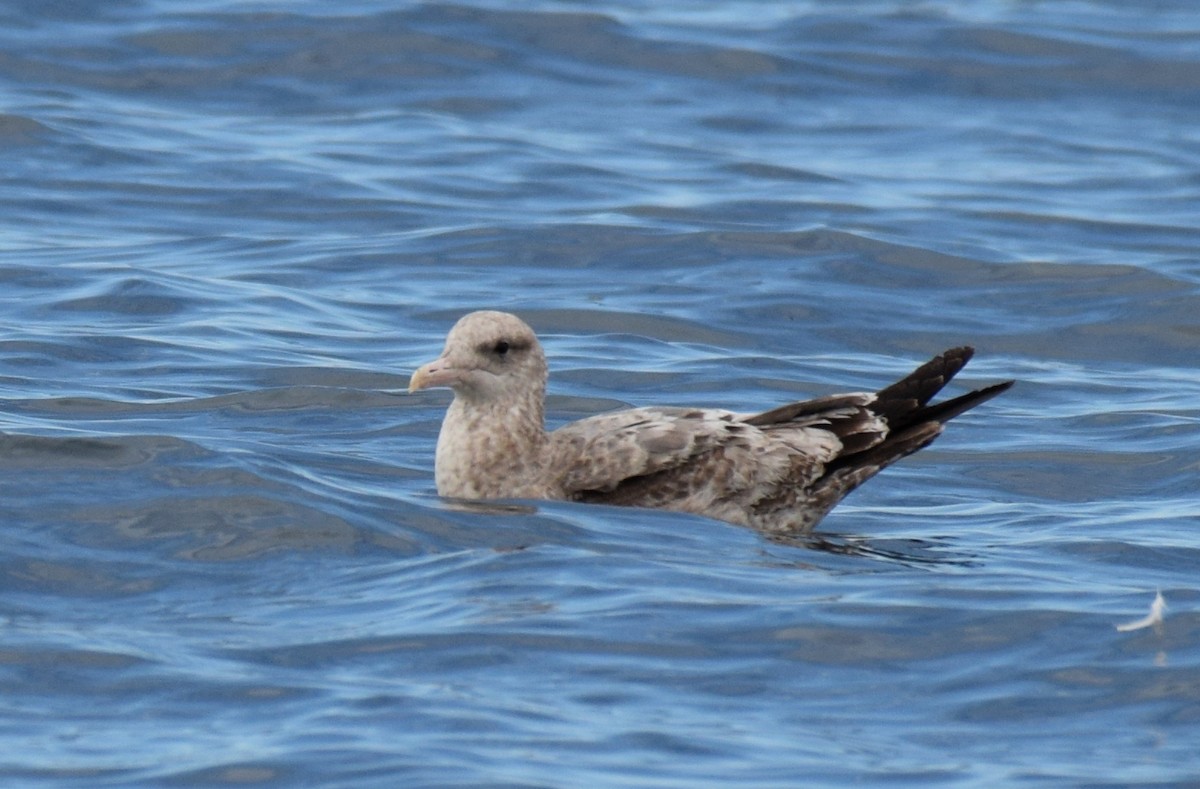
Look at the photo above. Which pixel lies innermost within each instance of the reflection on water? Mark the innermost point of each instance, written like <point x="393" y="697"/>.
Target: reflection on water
<point x="909" y="552"/>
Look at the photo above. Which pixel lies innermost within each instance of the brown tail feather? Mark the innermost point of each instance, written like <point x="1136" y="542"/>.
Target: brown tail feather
<point x="849" y="471"/>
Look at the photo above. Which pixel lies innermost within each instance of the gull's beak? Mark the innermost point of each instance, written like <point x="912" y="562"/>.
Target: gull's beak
<point x="439" y="372"/>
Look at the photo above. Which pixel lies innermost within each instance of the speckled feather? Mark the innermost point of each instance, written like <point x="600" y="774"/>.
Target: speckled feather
<point x="781" y="470"/>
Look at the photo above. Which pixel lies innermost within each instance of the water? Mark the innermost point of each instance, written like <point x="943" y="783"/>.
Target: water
<point x="230" y="229"/>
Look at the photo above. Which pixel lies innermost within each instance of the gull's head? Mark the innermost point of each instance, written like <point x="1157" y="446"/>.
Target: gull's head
<point x="490" y="356"/>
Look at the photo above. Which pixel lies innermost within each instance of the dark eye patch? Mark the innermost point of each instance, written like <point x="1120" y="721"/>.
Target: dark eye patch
<point x="503" y="348"/>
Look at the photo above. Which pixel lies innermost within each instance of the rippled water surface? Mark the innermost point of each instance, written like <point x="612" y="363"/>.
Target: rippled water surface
<point x="229" y="230"/>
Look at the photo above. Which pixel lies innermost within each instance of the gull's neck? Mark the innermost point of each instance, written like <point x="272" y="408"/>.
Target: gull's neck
<point x="491" y="449"/>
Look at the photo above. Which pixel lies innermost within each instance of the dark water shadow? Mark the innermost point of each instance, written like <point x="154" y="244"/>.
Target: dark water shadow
<point x="924" y="553"/>
<point x="44" y="453"/>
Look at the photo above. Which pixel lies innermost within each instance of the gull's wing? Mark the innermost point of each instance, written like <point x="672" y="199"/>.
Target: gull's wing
<point x="706" y="461"/>
<point x="600" y="452"/>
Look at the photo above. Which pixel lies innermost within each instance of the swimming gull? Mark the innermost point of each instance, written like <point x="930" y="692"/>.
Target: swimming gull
<point x="780" y="471"/>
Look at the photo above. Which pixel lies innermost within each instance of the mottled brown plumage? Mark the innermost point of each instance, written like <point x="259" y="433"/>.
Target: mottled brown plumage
<point x="780" y="470"/>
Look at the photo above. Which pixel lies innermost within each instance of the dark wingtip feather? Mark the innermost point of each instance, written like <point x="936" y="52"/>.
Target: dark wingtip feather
<point x="917" y="388"/>
<point x="912" y="422"/>
<point x="944" y="412"/>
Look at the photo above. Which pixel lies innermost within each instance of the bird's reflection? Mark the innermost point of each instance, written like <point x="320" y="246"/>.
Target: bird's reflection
<point x="908" y="551"/>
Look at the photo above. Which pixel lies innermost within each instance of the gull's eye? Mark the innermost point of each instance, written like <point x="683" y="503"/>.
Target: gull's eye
<point x="500" y="348"/>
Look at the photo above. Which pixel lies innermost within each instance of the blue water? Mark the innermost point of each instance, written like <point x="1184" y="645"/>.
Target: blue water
<point x="229" y="230"/>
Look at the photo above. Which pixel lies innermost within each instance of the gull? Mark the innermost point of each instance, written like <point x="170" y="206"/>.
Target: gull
<point x="778" y="471"/>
